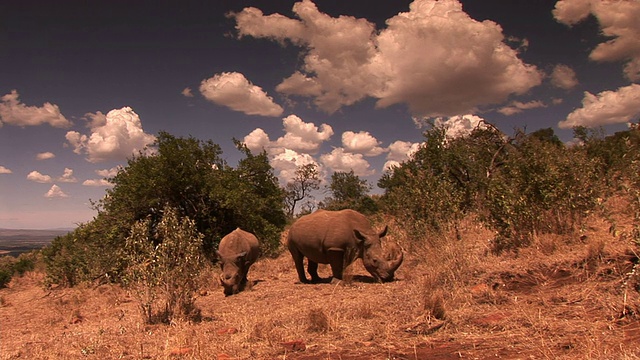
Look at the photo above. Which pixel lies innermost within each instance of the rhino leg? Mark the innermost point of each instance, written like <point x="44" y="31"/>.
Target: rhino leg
<point x="336" y="261"/>
<point x="312" y="268"/>
<point x="298" y="259"/>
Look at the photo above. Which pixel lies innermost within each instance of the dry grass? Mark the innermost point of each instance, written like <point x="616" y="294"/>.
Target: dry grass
<point x="560" y="298"/>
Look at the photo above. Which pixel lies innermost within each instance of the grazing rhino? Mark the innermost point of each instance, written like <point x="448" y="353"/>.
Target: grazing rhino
<point x="338" y="238"/>
<point x="237" y="252"/>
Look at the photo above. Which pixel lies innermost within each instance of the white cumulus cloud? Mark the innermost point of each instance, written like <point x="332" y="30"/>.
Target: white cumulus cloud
<point x="563" y="77"/>
<point x="618" y="21"/>
<point x="435" y="58"/>
<point x="96" y="182"/>
<point x="14" y="112"/>
<point x="288" y="161"/>
<point x="340" y="160"/>
<point x="233" y="90"/>
<point x="458" y="126"/>
<point x="45" y="156"/>
<point x="55" y="192"/>
<point x="4" y="170"/>
<point x="67" y="176"/>
<point x="36" y="176"/>
<point x="608" y="107"/>
<point x="303" y="137"/>
<point x="400" y="151"/>
<point x="516" y="107"/>
<point x="116" y="136"/>
<point x="361" y="143"/>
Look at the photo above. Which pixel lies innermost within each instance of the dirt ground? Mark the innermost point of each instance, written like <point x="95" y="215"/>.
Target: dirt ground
<point x="558" y="299"/>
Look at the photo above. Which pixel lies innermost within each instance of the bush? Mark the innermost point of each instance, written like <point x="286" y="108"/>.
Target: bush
<point x="11" y="266"/>
<point x="163" y="267"/>
<point x="541" y="187"/>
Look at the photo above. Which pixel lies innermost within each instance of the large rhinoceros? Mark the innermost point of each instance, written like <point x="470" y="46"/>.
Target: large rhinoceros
<point x="338" y="238"/>
<point x="237" y="252"/>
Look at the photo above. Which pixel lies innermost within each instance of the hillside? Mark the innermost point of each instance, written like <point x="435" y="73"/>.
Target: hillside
<point x="559" y="298"/>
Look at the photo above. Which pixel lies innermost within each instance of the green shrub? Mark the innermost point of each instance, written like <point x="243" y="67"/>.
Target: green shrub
<point x="163" y="267"/>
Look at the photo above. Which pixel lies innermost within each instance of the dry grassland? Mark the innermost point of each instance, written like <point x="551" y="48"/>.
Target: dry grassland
<point x="558" y="299"/>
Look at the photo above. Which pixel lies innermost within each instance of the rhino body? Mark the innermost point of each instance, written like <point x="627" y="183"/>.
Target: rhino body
<point x="338" y="238"/>
<point x="237" y="252"/>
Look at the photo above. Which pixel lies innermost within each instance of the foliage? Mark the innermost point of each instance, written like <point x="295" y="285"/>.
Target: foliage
<point x="187" y="175"/>
<point x="11" y="266"/>
<point x="521" y="186"/>
<point x="542" y="187"/>
<point x="445" y="179"/>
<point x="348" y="191"/>
<point x="163" y="266"/>
<point x="305" y="181"/>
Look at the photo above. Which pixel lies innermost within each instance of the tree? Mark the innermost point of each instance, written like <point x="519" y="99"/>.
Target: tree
<point x="185" y="174"/>
<point x="306" y="180"/>
<point x="348" y="191"/>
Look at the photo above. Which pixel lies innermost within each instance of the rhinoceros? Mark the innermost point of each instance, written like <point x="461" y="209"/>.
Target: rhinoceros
<point x="338" y="238"/>
<point x="237" y="252"/>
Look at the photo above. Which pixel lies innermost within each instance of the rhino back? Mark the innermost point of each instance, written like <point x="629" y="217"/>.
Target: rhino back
<point x="315" y="233"/>
<point x="240" y="241"/>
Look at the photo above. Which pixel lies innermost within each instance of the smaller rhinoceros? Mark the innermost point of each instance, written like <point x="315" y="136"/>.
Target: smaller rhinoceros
<point x="237" y="252"/>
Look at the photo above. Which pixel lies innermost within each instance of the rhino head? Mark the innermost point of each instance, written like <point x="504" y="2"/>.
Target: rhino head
<point x="233" y="276"/>
<point x="377" y="264"/>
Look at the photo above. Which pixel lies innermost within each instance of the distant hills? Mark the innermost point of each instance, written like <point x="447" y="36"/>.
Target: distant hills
<point x="16" y="241"/>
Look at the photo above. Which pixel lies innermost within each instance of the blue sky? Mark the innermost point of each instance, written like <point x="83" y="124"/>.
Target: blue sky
<point x="347" y="85"/>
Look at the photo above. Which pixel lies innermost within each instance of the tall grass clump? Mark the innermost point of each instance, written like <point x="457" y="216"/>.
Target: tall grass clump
<point x="163" y="267"/>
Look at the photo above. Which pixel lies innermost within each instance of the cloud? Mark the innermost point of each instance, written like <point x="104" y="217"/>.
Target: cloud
<point x="4" y="170"/>
<point x="45" y="156"/>
<point x="67" y="176"/>
<point x="619" y="23"/>
<point x="55" y="192"/>
<point x="400" y="151"/>
<point x="563" y="77"/>
<point x="608" y="107"/>
<point x="434" y="58"/>
<point x="516" y="107"/>
<point x="233" y="90"/>
<point x="295" y="148"/>
<point x="257" y="141"/>
<point x="186" y="92"/>
<point x="361" y="143"/>
<point x="340" y="160"/>
<point x="14" y="112"/>
<point x="38" y="177"/>
<point x="303" y="137"/>
<point x="109" y="172"/>
<point x="105" y="173"/>
<point x="116" y="136"/>
<point x="458" y="126"/>
<point x="96" y="182"/>
<point x="288" y="161"/>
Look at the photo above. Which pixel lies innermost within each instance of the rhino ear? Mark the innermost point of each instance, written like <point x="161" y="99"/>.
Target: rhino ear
<point x="361" y="238"/>
<point x="384" y="232"/>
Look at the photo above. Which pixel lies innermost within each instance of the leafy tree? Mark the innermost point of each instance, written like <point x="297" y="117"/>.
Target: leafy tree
<point x="348" y="191"/>
<point x="187" y="175"/>
<point x="305" y="181"/>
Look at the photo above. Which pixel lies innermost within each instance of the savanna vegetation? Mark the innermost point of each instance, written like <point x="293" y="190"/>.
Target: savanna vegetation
<point x="487" y="222"/>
